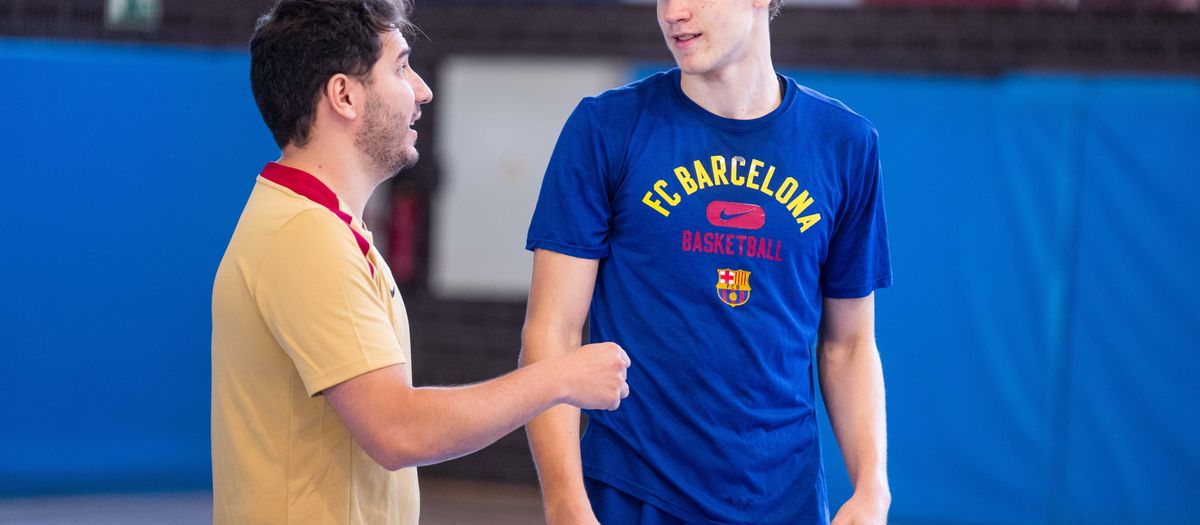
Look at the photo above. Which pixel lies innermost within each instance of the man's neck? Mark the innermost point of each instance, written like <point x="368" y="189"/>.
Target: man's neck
<point x="348" y="177"/>
<point x="744" y="90"/>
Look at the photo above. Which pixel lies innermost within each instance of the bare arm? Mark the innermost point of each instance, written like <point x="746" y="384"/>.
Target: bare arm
<point x="852" y="383"/>
<point x="401" y="426"/>
<point x="558" y="304"/>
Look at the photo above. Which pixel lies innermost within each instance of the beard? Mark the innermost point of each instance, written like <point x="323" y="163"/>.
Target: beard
<point x="383" y="138"/>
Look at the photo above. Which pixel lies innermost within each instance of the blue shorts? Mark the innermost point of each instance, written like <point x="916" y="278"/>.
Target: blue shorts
<point x="613" y="507"/>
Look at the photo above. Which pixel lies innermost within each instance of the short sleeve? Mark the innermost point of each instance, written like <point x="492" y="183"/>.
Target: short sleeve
<point x="574" y="208"/>
<point x="858" y="261"/>
<point x="316" y="295"/>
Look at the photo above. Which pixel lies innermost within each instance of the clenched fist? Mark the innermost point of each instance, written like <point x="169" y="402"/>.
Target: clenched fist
<point x="595" y="376"/>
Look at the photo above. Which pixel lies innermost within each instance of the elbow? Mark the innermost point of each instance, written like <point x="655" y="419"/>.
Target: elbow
<point x="847" y="349"/>
<point x="541" y="339"/>
<point x="399" y="455"/>
<point x="394" y="460"/>
<point x="387" y="418"/>
<point x="399" y="449"/>
<point x="530" y="348"/>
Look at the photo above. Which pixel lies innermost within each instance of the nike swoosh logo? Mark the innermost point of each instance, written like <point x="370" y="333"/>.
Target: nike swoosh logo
<point x="393" y="291"/>
<point x="726" y="217"/>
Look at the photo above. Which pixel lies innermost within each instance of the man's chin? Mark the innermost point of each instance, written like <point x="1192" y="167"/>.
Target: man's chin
<point x="406" y="162"/>
<point x="694" y="63"/>
<point x="691" y="67"/>
<point x="392" y="167"/>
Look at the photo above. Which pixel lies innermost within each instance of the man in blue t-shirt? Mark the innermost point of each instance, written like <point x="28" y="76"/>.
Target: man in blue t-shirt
<point x="725" y="225"/>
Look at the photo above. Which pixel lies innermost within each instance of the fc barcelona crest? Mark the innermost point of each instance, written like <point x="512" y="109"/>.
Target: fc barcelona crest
<point x="733" y="286"/>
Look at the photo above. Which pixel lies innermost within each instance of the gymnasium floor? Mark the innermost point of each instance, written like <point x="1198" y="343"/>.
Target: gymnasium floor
<point x="443" y="502"/>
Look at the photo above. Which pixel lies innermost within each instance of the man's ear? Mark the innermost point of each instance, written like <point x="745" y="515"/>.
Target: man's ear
<point x="345" y="96"/>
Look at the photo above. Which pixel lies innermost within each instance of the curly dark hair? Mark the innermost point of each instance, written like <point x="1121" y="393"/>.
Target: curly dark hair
<point x="299" y="44"/>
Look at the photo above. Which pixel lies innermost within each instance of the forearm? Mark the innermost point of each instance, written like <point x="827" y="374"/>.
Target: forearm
<point x="852" y="384"/>
<point x="559" y="296"/>
<point x="554" y="440"/>
<point x="435" y="424"/>
<point x="554" y="435"/>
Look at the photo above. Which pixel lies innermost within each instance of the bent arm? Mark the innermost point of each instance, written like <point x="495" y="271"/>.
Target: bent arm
<point x="559" y="297"/>
<point x="324" y="311"/>
<point x="401" y="426"/>
<point x="852" y="382"/>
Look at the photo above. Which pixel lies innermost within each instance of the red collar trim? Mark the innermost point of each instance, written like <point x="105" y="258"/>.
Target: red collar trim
<point x="309" y="187"/>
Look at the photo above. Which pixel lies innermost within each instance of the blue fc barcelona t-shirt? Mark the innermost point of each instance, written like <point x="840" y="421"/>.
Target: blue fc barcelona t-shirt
<point x="717" y="240"/>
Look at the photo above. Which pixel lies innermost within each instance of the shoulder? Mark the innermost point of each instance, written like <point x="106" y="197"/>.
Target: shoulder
<point x="275" y="214"/>
<point x="625" y="103"/>
<point x="313" y="250"/>
<point x="631" y="92"/>
<point x="287" y="224"/>
<point x="277" y="205"/>
<point x="314" y="239"/>
<point x="295" y="215"/>
<point x="315" y="224"/>
<point x="612" y="117"/>
<point x="834" y="116"/>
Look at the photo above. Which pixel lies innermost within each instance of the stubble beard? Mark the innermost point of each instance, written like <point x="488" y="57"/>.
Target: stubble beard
<point x="383" y="139"/>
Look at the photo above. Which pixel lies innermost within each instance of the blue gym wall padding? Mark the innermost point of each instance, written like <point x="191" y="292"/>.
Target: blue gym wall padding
<point x="1040" y="342"/>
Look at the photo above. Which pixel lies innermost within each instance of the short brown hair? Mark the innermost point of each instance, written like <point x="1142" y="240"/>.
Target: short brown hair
<point x="299" y="44"/>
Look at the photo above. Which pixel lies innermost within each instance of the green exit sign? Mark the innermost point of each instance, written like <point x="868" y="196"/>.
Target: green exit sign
<point x="133" y="15"/>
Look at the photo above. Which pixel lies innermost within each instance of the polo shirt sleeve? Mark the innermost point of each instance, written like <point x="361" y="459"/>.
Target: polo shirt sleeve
<point x="858" y="261"/>
<point x="316" y="295"/>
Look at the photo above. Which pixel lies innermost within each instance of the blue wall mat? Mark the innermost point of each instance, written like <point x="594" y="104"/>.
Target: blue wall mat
<point x="964" y="333"/>
<point x="126" y="168"/>
<point x="1131" y="451"/>
<point x="1040" y="342"/>
<point x="1043" y="245"/>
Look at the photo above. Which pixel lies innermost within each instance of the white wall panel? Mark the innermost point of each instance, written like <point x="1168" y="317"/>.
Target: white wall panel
<point x="498" y="119"/>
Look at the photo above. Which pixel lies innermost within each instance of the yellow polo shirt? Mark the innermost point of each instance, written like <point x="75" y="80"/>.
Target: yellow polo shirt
<point x="302" y="301"/>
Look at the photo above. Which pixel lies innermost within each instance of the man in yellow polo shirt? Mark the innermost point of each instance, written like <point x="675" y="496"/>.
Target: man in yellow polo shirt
<point x="314" y="416"/>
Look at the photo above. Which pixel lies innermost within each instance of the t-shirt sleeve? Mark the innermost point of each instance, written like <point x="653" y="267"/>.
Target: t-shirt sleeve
<point x="858" y="261"/>
<point x="574" y="207"/>
<point x="316" y="295"/>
